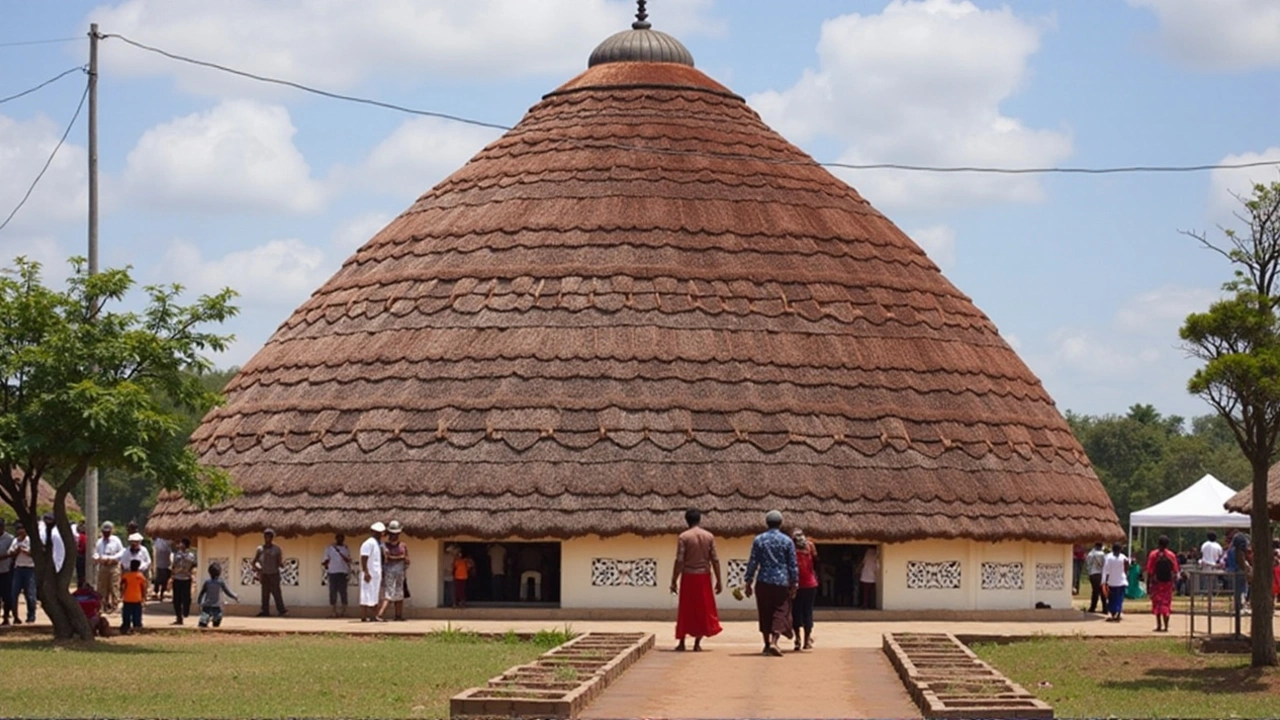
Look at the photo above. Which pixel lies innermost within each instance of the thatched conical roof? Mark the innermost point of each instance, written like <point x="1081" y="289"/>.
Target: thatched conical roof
<point x="642" y="299"/>
<point x="1242" y="502"/>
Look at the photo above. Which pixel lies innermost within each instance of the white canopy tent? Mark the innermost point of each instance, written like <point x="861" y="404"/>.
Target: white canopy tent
<point x="1199" y="506"/>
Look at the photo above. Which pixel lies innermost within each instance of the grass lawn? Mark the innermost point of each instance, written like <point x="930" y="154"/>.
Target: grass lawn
<point x="1101" y="677"/>
<point x="221" y="675"/>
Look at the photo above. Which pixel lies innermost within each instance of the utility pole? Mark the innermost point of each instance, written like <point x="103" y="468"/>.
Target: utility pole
<point x="91" y="477"/>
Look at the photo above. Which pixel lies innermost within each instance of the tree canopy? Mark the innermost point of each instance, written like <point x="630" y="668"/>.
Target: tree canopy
<point x="85" y="385"/>
<point x="1238" y="340"/>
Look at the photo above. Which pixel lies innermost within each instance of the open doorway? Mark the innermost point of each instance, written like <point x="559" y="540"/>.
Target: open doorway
<point x="839" y="569"/>
<point x="510" y="574"/>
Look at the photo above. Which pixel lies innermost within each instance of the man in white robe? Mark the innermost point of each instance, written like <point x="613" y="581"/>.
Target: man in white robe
<point x="371" y="573"/>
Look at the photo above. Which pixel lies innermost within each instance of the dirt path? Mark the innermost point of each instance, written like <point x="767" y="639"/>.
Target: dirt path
<point x="737" y="681"/>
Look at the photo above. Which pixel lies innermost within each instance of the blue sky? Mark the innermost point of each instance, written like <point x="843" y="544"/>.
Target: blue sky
<point x="210" y="180"/>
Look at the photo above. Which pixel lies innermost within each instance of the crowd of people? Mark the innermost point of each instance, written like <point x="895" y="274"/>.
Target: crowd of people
<point x="780" y="574"/>
<point x="1114" y="575"/>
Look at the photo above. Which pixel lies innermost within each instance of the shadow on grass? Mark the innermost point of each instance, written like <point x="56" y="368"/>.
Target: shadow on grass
<point x="1210" y="681"/>
<point x="104" y="647"/>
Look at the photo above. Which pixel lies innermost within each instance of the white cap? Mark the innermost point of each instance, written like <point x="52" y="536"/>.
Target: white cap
<point x="378" y="527"/>
<point x="135" y="537"/>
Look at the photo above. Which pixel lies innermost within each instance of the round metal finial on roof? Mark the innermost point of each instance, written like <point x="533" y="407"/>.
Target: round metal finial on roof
<point x="641" y="44"/>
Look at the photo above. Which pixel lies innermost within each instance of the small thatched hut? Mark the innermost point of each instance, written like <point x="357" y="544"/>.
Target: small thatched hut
<point x="643" y="299"/>
<point x="1242" y="502"/>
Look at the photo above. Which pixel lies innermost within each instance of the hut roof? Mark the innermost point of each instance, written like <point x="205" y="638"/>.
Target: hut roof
<point x="1242" y="502"/>
<point x="638" y="300"/>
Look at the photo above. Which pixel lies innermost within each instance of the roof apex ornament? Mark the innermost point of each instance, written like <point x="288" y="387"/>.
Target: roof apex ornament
<point x="642" y="17"/>
<point x="641" y="44"/>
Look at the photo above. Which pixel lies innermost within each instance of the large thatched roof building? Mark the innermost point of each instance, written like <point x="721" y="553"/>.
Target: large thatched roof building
<point x="638" y="300"/>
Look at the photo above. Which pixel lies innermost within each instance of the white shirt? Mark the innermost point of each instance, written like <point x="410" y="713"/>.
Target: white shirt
<point x="371" y="552"/>
<point x="497" y="560"/>
<point x="59" y="550"/>
<point x="870" y="566"/>
<point x="142" y="556"/>
<point x="1114" y="573"/>
<point x="23" y="558"/>
<point x="338" y="559"/>
<point x="108" y="549"/>
<point x="1210" y="554"/>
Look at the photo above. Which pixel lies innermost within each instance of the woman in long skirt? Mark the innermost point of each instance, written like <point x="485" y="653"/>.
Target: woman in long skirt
<point x="1115" y="576"/>
<point x="395" y="560"/>
<point x="1162" y="575"/>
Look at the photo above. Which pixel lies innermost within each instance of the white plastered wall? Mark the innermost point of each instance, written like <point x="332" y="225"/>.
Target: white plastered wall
<point x="1014" y="571"/>
<point x="423" y="574"/>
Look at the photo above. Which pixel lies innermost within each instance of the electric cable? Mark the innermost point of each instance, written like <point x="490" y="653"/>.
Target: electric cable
<point x="48" y="162"/>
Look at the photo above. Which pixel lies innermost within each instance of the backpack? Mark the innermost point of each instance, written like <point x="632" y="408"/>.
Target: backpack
<point x="1164" y="567"/>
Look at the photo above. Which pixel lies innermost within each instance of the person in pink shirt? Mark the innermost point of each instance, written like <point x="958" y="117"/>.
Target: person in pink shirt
<point x="807" y="590"/>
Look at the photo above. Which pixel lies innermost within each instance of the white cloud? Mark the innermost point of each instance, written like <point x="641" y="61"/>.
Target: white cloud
<point x="420" y="153"/>
<point x="1135" y="357"/>
<point x="337" y="43"/>
<point x="922" y="83"/>
<point x="42" y="249"/>
<point x="61" y="195"/>
<point x="357" y="231"/>
<point x="938" y="242"/>
<point x="239" y="156"/>
<point x="279" y="272"/>
<point x="1222" y="35"/>
<point x="1224" y="185"/>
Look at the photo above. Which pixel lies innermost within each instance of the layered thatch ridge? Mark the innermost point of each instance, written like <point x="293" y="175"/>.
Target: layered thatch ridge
<point x="1242" y="502"/>
<point x="638" y="300"/>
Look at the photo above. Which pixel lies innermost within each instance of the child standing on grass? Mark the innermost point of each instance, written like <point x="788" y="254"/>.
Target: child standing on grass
<point x="210" y="598"/>
<point x="133" y="591"/>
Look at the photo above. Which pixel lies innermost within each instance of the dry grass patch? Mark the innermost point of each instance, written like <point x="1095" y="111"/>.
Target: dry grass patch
<point x="1135" y="678"/>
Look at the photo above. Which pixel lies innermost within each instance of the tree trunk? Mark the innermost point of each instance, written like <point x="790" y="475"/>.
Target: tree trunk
<point x="53" y="587"/>
<point x="63" y="611"/>
<point x="1262" y="634"/>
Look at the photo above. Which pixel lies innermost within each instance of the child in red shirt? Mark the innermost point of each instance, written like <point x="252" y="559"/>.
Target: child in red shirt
<point x="133" y="591"/>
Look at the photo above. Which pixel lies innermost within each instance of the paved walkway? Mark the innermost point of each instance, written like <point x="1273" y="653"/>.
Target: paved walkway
<point x="737" y="681"/>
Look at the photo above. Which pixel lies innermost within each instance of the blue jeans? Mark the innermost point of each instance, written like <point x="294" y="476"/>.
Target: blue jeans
<point x="130" y="616"/>
<point x="210" y="612"/>
<point x="24" y="584"/>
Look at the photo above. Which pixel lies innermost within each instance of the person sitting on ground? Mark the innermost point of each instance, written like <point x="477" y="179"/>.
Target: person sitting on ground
<point x="210" y="597"/>
<point x="90" y="603"/>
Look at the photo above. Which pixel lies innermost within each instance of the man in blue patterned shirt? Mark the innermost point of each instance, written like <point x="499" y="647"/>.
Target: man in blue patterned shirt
<point x="773" y="568"/>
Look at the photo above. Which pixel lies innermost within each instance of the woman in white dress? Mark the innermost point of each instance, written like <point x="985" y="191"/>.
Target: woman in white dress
<point x="371" y="573"/>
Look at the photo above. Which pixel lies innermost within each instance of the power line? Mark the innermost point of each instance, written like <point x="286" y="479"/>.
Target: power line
<point x="48" y="162"/>
<point x="1116" y="170"/>
<point x="21" y="43"/>
<point x="305" y="88"/>
<point x="50" y="81"/>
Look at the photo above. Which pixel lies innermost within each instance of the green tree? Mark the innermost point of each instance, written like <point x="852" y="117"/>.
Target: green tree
<point x="78" y="388"/>
<point x="1238" y="340"/>
<point x="126" y="496"/>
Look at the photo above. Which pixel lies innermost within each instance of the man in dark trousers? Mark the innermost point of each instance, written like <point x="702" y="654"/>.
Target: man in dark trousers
<point x="266" y="565"/>
<point x="1093" y="563"/>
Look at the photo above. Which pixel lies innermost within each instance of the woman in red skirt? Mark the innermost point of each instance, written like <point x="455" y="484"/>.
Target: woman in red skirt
<point x="1162" y="577"/>
<point x="695" y="560"/>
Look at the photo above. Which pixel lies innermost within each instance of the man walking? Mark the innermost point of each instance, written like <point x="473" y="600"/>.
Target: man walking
<point x="106" y="558"/>
<point x="773" y="567"/>
<point x="267" y="562"/>
<point x="695" y="561"/>
<point x="337" y="563"/>
<point x="7" y="603"/>
<point x="164" y="567"/>
<point x="371" y="573"/>
<point x="183" y="565"/>
<point x="1093" y="563"/>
